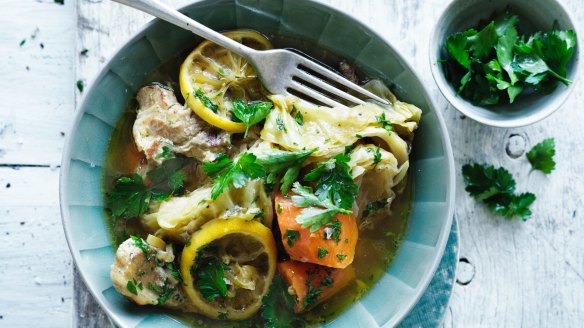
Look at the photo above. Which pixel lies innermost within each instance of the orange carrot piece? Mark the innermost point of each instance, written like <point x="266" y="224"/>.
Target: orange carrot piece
<point x="313" y="284"/>
<point x="332" y="245"/>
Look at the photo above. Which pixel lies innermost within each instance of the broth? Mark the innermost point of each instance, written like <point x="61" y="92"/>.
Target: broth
<point x="376" y="247"/>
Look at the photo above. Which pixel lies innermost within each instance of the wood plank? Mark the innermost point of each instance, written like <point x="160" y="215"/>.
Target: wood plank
<point x="35" y="262"/>
<point x="36" y="112"/>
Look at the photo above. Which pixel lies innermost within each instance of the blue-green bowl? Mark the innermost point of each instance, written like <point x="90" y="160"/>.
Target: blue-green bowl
<point x="432" y="163"/>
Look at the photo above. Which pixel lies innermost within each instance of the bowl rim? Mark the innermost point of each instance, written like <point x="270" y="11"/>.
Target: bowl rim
<point x="468" y="109"/>
<point x="448" y="154"/>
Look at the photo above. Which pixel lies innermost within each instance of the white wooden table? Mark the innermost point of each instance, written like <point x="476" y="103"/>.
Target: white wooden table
<point x="516" y="274"/>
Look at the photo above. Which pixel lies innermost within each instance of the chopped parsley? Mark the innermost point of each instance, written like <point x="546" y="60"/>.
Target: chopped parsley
<point x="164" y="293"/>
<point x="322" y="252"/>
<point x="225" y="172"/>
<point x="280" y="124"/>
<point x="84" y="52"/>
<point x="199" y="94"/>
<point x="292" y="236"/>
<point x="376" y="156"/>
<point x="341" y="257"/>
<point x="80" y="85"/>
<point x="143" y="246"/>
<point x="22" y="42"/>
<point x="374" y="207"/>
<point x="222" y="316"/>
<point x="384" y="123"/>
<point x="283" y="166"/>
<point x="252" y="113"/>
<point x="318" y="212"/>
<point x="541" y="156"/>
<point x="166" y="153"/>
<point x="133" y="285"/>
<point x="496" y="188"/>
<point x="332" y="231"/>
<point x="299" y="118"/>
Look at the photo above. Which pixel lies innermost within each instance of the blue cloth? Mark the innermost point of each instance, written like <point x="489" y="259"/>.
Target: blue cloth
<point x="430" y="309"/>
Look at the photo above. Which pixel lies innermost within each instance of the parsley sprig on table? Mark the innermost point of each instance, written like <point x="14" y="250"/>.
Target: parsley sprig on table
<point x="131" y="196"/>
<point x="495" y="62"/>
<point x="541" y="156"/>
<point x="226" y="173"/>
<point x="496" y="188"/>
<point x="251" y="113"/>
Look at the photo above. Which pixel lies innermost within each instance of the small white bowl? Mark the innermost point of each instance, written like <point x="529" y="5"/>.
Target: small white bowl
<point x="534" y="15"/>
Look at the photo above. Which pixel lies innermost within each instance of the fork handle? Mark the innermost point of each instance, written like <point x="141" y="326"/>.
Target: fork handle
<point x="164" y="12"/>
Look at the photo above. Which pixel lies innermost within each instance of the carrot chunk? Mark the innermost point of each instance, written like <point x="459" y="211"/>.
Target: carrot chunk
<point x="332" y="245"/>
<point x="313" y="284"/>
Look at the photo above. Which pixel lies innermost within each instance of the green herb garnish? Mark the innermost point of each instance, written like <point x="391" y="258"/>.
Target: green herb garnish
<point x="541" y="156"/>
<point x="283" y="166"/>
<point x="299" y="118"/>
<point x="280" y="124"/>
<point x="496" y="188"/>
<point x="292" y="236"/>
<point x="322" y="252"/>
<point x="225" y="172"/>
<point x="318" y="212"/>
<point x="374" y="207"/>
<point x="80" y="85"/>
<point x="252" y="113"/>
<point x="334" y="181"/>
<point x="199" y="94"/>
<point x="341" y="257"/>
<point x="278" y="306"/>
<point x="210" y="280"/>
<point x="130" y="196"/>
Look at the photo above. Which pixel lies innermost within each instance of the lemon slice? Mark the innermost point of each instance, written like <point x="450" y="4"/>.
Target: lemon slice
<point x="211" y="77"/>
<point x="247" y="250"/>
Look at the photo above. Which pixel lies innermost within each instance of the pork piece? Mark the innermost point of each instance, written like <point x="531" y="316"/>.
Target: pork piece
<point x="153" y="276"/>
<point x="348" y="72"/>
<point x="162" y="121"/>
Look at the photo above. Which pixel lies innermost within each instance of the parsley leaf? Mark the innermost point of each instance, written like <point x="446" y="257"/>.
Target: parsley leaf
<point x="496" y="188"/>
<point x="483" y="76"/>
<point x="130" y="196"/>
<point x="225" y="172"/>
<point x="283" y="166"/>
<point x="292" y="236"/>
<point x="318" y="212"/>
<point x="199" y="94"/>
<point x="541" y="156"/>
<point x="341" y="257"/>
<point x="322" y="252"/>
<point x="252" y="113"/>
<point x="210" y="273"/>
<point x="144" y="247"/>
<point x="278" y="306"/>
<point x="332" y="231"/>
<point x="334" y="181"/>
<point x="376" y="155"/>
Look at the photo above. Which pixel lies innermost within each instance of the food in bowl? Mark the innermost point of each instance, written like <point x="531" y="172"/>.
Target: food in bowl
<point x="492" y="63"/>
<point x="248" y="206"/>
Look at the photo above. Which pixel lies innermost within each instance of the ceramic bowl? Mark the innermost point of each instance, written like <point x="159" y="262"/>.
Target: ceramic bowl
<point x="534" y="15"/>
<point x="432" y="163"/>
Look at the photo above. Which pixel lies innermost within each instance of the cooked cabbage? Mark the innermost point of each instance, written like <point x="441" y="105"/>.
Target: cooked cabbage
<point x="179" y="217"/>
<point x="331" y="129"/>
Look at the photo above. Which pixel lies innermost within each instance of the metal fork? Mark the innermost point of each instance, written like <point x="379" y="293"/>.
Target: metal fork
<point x="281" y="71"/>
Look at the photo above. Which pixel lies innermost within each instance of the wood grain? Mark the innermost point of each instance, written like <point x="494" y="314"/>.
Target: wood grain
<point x="524" y="274"/>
